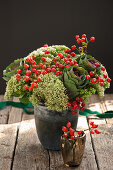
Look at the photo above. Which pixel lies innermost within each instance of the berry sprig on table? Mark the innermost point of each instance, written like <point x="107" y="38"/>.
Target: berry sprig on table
<point x="70" y="133"/>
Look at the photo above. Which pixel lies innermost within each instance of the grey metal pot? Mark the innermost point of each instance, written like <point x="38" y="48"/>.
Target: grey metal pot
<point x="49" y="125"/>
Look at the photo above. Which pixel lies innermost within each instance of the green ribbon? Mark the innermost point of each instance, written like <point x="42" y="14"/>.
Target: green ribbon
<point x="86" y="112"/>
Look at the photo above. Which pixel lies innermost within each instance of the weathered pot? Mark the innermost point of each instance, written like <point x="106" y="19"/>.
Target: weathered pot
<point x="49" y="125"/>
<point x="72" y="150"/>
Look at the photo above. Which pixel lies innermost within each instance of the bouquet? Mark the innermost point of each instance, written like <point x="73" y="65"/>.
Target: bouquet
<point x="57" y="76"/>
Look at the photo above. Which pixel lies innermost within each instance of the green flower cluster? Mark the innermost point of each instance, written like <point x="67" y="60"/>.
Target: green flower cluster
<point x="85" y="93"/>
<point x="51" y="91"/>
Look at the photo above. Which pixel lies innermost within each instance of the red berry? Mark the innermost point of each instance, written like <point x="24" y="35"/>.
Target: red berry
<point x="60" y="72"/>
<point x="69" y="59"/>
<point x="64" y="129"/>
<point x="92" y="73"/>
<point x="73" y="54"/>
<point x="100" y="79"/>
<point x="71" y="63"/>
<point x="34" y="69"/>
<point x="97" y="131"/>
<point x="94" y="80"/>
<point x="88" y="77"/>
<point x="77" y="36"/>
<point x="78" y="40"/>
<point x="68" y="125"/>
<point x="73" y="47"/>
<point x="77" y="99"/>
<point x="66" y="67"/>
<point x="38" y="72"/>
<point x="34" y="66"/>
<point x="19" y="71"/>
<point x="57" y="64"/>
<point x="18" y="75"/>
<point x="91" y="131"/>
<point x="61" y="55"/>
<point x="26" y="78"/>
<point x="108" y="80"/>
<point x="44" y="72"/>
<point x="91" y="123"/>
<point x="43" y="59"/>
<point x="72" y="137"/>
<point x="65" y="135"/>
<point x="103" y="68"/>
<point x="53" y="66"/>
<point x="45" y="45"/>
<point x="34" y="85"/>
<point x="83" y="39"/>
<point x="26" y="66"/>
<point x="92" y="39"/>
<point x="28" y="73"/>
<point x="68" y="55"/>
<point x="75" y="106"/>
<point x="69" y="104"/>
<point x="25" y="87"/>
<point x="94" y="126"/>
<point x="54" y="59"/>
<point x="82" y="108"/>
<point x="83" y="35"/>
<point x="34" y="57"/>
<point x="53" y="70"/>
<point x="39" y="79"/>
<point x="71" y="131"/>
<point x="46" y="52"/>
<point x="57" y="72"/>
<point x="80" y="132"/>
<point x="61" y="66"/>
<point x="44" y="67"/>
<point x="18" y="78"/>
<point x="105" y="76"/>
<point x="97" y="64"/>
<point x="75" y="62"/>
<point x="101" y="83"/>
<point x="74" y="112"/>
<point x="40" y="65"/>
<point x="83" y="104"/>
<point x="65" y="59"/>
<point x="30" y="88"/>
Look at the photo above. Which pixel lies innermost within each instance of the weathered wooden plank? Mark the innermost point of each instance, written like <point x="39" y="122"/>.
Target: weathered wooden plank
<point x="15" y="114"/>
<point x="8" y="135"/>
<point x="4" y="113"/>
<point x="109" y="106"/>
<point x="88" y="162"/>
<point x="103" y="142"/>
<point x="27" y="116"/>
<point x="29" y="152"/>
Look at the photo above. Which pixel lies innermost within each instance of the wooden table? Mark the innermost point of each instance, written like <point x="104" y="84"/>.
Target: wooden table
<point x="20" y="148"/>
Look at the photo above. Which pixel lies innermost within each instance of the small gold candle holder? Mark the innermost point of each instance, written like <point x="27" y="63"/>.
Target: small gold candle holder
<point x="72" y="150"/>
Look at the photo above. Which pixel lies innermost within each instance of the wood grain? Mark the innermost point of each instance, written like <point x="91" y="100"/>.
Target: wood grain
<point x="4" y="113"/>
<point x="30" y="155"/>
<point x="15" y="114"/>
<point x="103" y="143"/>
<point x="8" y="135"/>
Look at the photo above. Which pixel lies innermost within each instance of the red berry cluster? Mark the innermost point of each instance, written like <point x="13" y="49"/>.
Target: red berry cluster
<point x="72" y="134"/>
<point x="77" y="104"/>
<point x="93" y="128"/>
<point x="83" y="39"/>
<point x="94" y="78"/>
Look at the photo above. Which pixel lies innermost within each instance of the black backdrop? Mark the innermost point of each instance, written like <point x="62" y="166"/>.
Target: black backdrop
<point x="26" y="25"/>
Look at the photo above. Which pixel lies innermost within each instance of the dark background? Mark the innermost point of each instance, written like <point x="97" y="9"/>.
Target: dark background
<point x="26" y="25"/>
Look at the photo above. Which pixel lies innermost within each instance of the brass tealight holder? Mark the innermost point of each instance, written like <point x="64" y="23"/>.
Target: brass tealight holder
<point x="72" y="150"/>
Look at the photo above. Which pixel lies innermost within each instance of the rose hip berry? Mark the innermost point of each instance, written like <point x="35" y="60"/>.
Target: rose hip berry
<point x="26" y="66"/>
<point x="92" y="39"/>
<point x="73" y="47"/>
<point x="64" y="129"/>
<point x="68" y="125"/>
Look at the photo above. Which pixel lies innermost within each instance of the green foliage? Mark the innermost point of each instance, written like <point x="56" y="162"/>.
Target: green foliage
<point x="87" y="92"/>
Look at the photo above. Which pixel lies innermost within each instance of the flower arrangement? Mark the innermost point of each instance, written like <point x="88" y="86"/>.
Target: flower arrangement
<point x="57" y="76"/>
